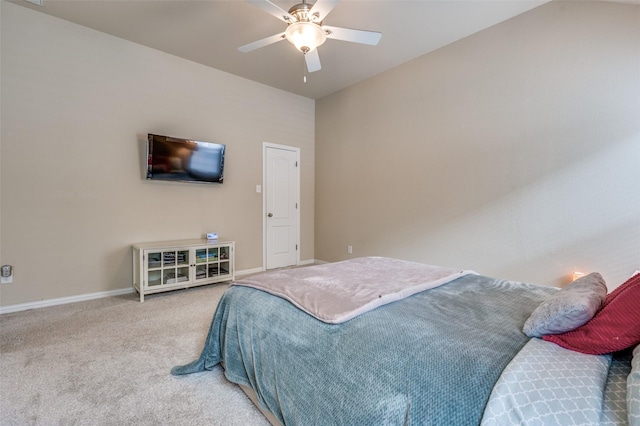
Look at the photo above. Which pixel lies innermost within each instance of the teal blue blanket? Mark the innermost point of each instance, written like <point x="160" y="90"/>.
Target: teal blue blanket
<point x="430" y="359"/>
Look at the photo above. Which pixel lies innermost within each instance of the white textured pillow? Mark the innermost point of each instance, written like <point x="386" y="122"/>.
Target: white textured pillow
<point x="569" y="308"/>
<point x="633" y="389"/>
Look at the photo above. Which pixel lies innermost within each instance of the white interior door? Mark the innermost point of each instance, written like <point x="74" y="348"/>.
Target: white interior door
<point x="281" y="205"/>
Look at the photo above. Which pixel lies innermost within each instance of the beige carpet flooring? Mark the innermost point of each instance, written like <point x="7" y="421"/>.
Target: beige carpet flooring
<point x="107" y="362"/>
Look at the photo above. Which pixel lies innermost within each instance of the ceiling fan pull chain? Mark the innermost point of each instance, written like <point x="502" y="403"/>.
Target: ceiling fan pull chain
<point x="304" y="68"/>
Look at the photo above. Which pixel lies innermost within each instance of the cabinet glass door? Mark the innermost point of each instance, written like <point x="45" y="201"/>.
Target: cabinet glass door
<point x="209" y="262"/>
<point x="167" y="267"/>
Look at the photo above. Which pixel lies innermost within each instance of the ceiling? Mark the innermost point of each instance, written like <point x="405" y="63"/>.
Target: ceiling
<point x="210" y="31"/>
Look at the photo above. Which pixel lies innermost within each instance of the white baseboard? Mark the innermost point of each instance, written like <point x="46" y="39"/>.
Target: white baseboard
<point x="248" y="272"/>
<point x="63" y="300"/>
<point x="91" y="296"/>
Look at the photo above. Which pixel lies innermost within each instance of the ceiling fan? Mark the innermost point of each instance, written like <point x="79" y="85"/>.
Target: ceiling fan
<point x="306" y="31"/>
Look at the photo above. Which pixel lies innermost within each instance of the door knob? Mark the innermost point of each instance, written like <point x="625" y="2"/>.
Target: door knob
<point x="270" y="214"/>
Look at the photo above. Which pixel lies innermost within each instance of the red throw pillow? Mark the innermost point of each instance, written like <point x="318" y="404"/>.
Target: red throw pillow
<point x="614" y="328"/>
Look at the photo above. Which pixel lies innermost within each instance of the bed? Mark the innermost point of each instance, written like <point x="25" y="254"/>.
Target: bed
<point x="412" y="344"/>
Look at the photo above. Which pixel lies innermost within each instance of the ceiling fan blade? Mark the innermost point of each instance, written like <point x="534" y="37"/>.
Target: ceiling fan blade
<point x="323" y="7"/>
<point x="356" y="36"/>
<point x="273" y="9"/>
<point x="313" y="60"/>
<point x="262" y="43"/>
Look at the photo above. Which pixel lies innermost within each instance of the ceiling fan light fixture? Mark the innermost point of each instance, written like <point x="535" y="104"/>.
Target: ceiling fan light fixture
<point x="305" y="36"/>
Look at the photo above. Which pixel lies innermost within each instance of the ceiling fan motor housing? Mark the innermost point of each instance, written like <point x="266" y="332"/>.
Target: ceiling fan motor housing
<point x="301" y="13"/>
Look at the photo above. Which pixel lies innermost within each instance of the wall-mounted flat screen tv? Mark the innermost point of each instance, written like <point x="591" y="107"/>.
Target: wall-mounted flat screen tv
<point x="184" y="160"/>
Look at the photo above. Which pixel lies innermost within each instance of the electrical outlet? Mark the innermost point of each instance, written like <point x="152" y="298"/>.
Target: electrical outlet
<point x="349" y="249"/>
<point x="6" y="276"/>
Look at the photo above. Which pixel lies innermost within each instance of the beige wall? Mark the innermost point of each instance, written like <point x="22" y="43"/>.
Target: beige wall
<point x="514" y="152"/>
<point x="76" y="107"/>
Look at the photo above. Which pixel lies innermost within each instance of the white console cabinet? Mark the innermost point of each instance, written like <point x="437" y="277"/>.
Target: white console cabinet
<point x="170" y="265"/>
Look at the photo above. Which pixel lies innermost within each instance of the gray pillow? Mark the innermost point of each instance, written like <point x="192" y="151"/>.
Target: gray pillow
<point x="569" y="308"/>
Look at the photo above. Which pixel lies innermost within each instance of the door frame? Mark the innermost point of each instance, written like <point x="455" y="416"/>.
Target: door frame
<point x="265" y="146"/>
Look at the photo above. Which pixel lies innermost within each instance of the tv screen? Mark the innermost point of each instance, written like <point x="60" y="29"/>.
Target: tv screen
<point x="184" y="160"/>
